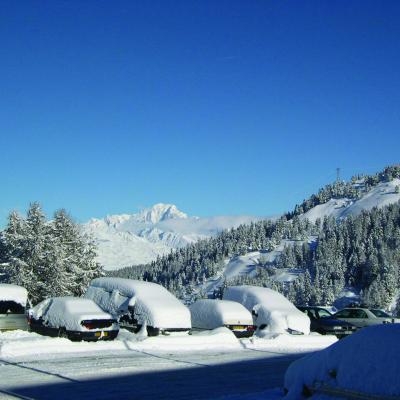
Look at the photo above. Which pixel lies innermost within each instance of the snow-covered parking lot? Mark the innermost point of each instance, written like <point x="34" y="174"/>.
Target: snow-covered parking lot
<point x="204" y="365"/>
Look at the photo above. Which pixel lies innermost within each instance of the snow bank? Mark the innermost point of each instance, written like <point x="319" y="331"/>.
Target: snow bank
<point x="15" y="293"/>
<point x="271" y="309"/>
<point x="365" y="362"/>
<point x="68" y="312"/>
<point x="220" y="339"/>
<point x="211" y="314"/>
<point x="289" y="344"/>
<point x="14" y="344"/>
<point x="153" y="305"/>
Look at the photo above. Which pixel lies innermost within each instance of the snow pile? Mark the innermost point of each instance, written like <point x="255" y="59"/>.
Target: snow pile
<point x="68" y="312"/>
<point x="15" y="293"/>
<point x="365" y="362"/>
<point x="218" y="339"/>
<point x="153" y="305"/>
<point x="269" y="308"/>
<point x="289" y="344"/>
<point x="24" y="344"/>
<point x="211" y="314"/>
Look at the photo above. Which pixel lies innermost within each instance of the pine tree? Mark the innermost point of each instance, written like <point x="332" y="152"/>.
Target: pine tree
<point x="47" y="258"/>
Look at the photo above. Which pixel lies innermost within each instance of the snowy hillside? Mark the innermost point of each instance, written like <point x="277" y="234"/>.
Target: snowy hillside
<point x="381" y="195"/>
<point x="246" y="265"/>
<point x="130" y="239"/>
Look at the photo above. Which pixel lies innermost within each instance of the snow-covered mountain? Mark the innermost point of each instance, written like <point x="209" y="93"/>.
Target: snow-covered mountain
<point x="131" y="239"/>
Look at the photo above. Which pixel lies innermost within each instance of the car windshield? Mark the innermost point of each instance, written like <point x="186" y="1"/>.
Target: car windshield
<point x="380" y="314"/>
<point x="322" y="313"/>
<point x="11" y="307"/>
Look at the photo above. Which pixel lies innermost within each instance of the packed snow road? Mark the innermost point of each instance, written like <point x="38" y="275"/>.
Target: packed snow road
<point x="212" y="365"/>
<point x="143" y="375"/>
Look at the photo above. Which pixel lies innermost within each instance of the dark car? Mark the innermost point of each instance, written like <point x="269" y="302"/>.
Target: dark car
<point x="323" y="322"/>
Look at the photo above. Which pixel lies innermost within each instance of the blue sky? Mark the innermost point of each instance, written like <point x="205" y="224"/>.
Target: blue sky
<point x="221" y="107"/>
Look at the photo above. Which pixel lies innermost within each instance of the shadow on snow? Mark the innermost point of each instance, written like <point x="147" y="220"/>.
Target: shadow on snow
<point x="196" y="382"/>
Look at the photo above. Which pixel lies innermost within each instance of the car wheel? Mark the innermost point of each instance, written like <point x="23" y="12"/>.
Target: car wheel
<point x="62" y="333"/>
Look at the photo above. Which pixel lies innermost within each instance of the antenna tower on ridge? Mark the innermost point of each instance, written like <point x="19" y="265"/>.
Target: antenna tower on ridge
<point x="337" y="175"/>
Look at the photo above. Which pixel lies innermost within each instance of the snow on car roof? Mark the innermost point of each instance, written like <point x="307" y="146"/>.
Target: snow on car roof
<point x="9" y="292"/>
<point x="250" y="296"/>
<point x="210" y="314"/>
<point x="77" y="305"/>
<point x="131" y="288"/>
<point x="68" y="312"/>
<point x="272" y="309"/>
<point x="157" y="305"/>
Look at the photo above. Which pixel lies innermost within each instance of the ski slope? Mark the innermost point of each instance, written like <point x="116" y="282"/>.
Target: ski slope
<point x="379" y="196"/>
<point x="247" y="265"/>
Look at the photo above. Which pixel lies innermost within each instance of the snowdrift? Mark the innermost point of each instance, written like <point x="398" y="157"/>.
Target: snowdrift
<point x="15" y="293"/>
<point x="272" y="312"/>
<point x="365" y="362"/>
<point x="152" y="304"/>
<point x="211" y="314"/>
<point x="29" y="345"/>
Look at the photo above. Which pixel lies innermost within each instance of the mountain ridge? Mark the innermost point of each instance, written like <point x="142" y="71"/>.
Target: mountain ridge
<point x="132" y="239"/>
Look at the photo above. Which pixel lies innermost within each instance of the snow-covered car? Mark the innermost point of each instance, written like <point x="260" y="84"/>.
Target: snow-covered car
<point x="323" y="322"/>
<point x="13" y="302"/>
<point x="362" y="317"/>
<point x="137" y="303"/>
<point x="74" y="318"/>
<point x="212" y="314"/>
<point x="363" y="366"/>
<point x="272" y="312"/>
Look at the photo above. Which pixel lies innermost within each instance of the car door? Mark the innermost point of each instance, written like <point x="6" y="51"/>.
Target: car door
<point x="38" y="325"/>
<point x="359" y="318"/>
<point x="346" y="315"/>
<point x="12" y="316"/>
<point x="315" y="326"/>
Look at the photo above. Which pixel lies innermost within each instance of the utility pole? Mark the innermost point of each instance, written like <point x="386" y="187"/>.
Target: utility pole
<point x="337" y="175"/>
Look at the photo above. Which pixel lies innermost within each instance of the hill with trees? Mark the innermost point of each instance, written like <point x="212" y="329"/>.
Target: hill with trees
<point x="360" y="251"/>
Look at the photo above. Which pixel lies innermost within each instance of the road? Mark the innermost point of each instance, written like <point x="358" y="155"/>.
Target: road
<point x="143" y="375"/>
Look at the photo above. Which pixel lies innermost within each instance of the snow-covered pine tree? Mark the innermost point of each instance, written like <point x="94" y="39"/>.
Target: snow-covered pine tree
<point x="13" y="251"/>
<point x="78" y="254"/>
<point x="47" y="258"/>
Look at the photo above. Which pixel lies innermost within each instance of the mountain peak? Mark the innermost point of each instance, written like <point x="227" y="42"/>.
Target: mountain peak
<point x="161" y="212"/>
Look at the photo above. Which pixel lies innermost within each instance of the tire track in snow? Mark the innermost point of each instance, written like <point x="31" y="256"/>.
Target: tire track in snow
<point x="4" y="362"/>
